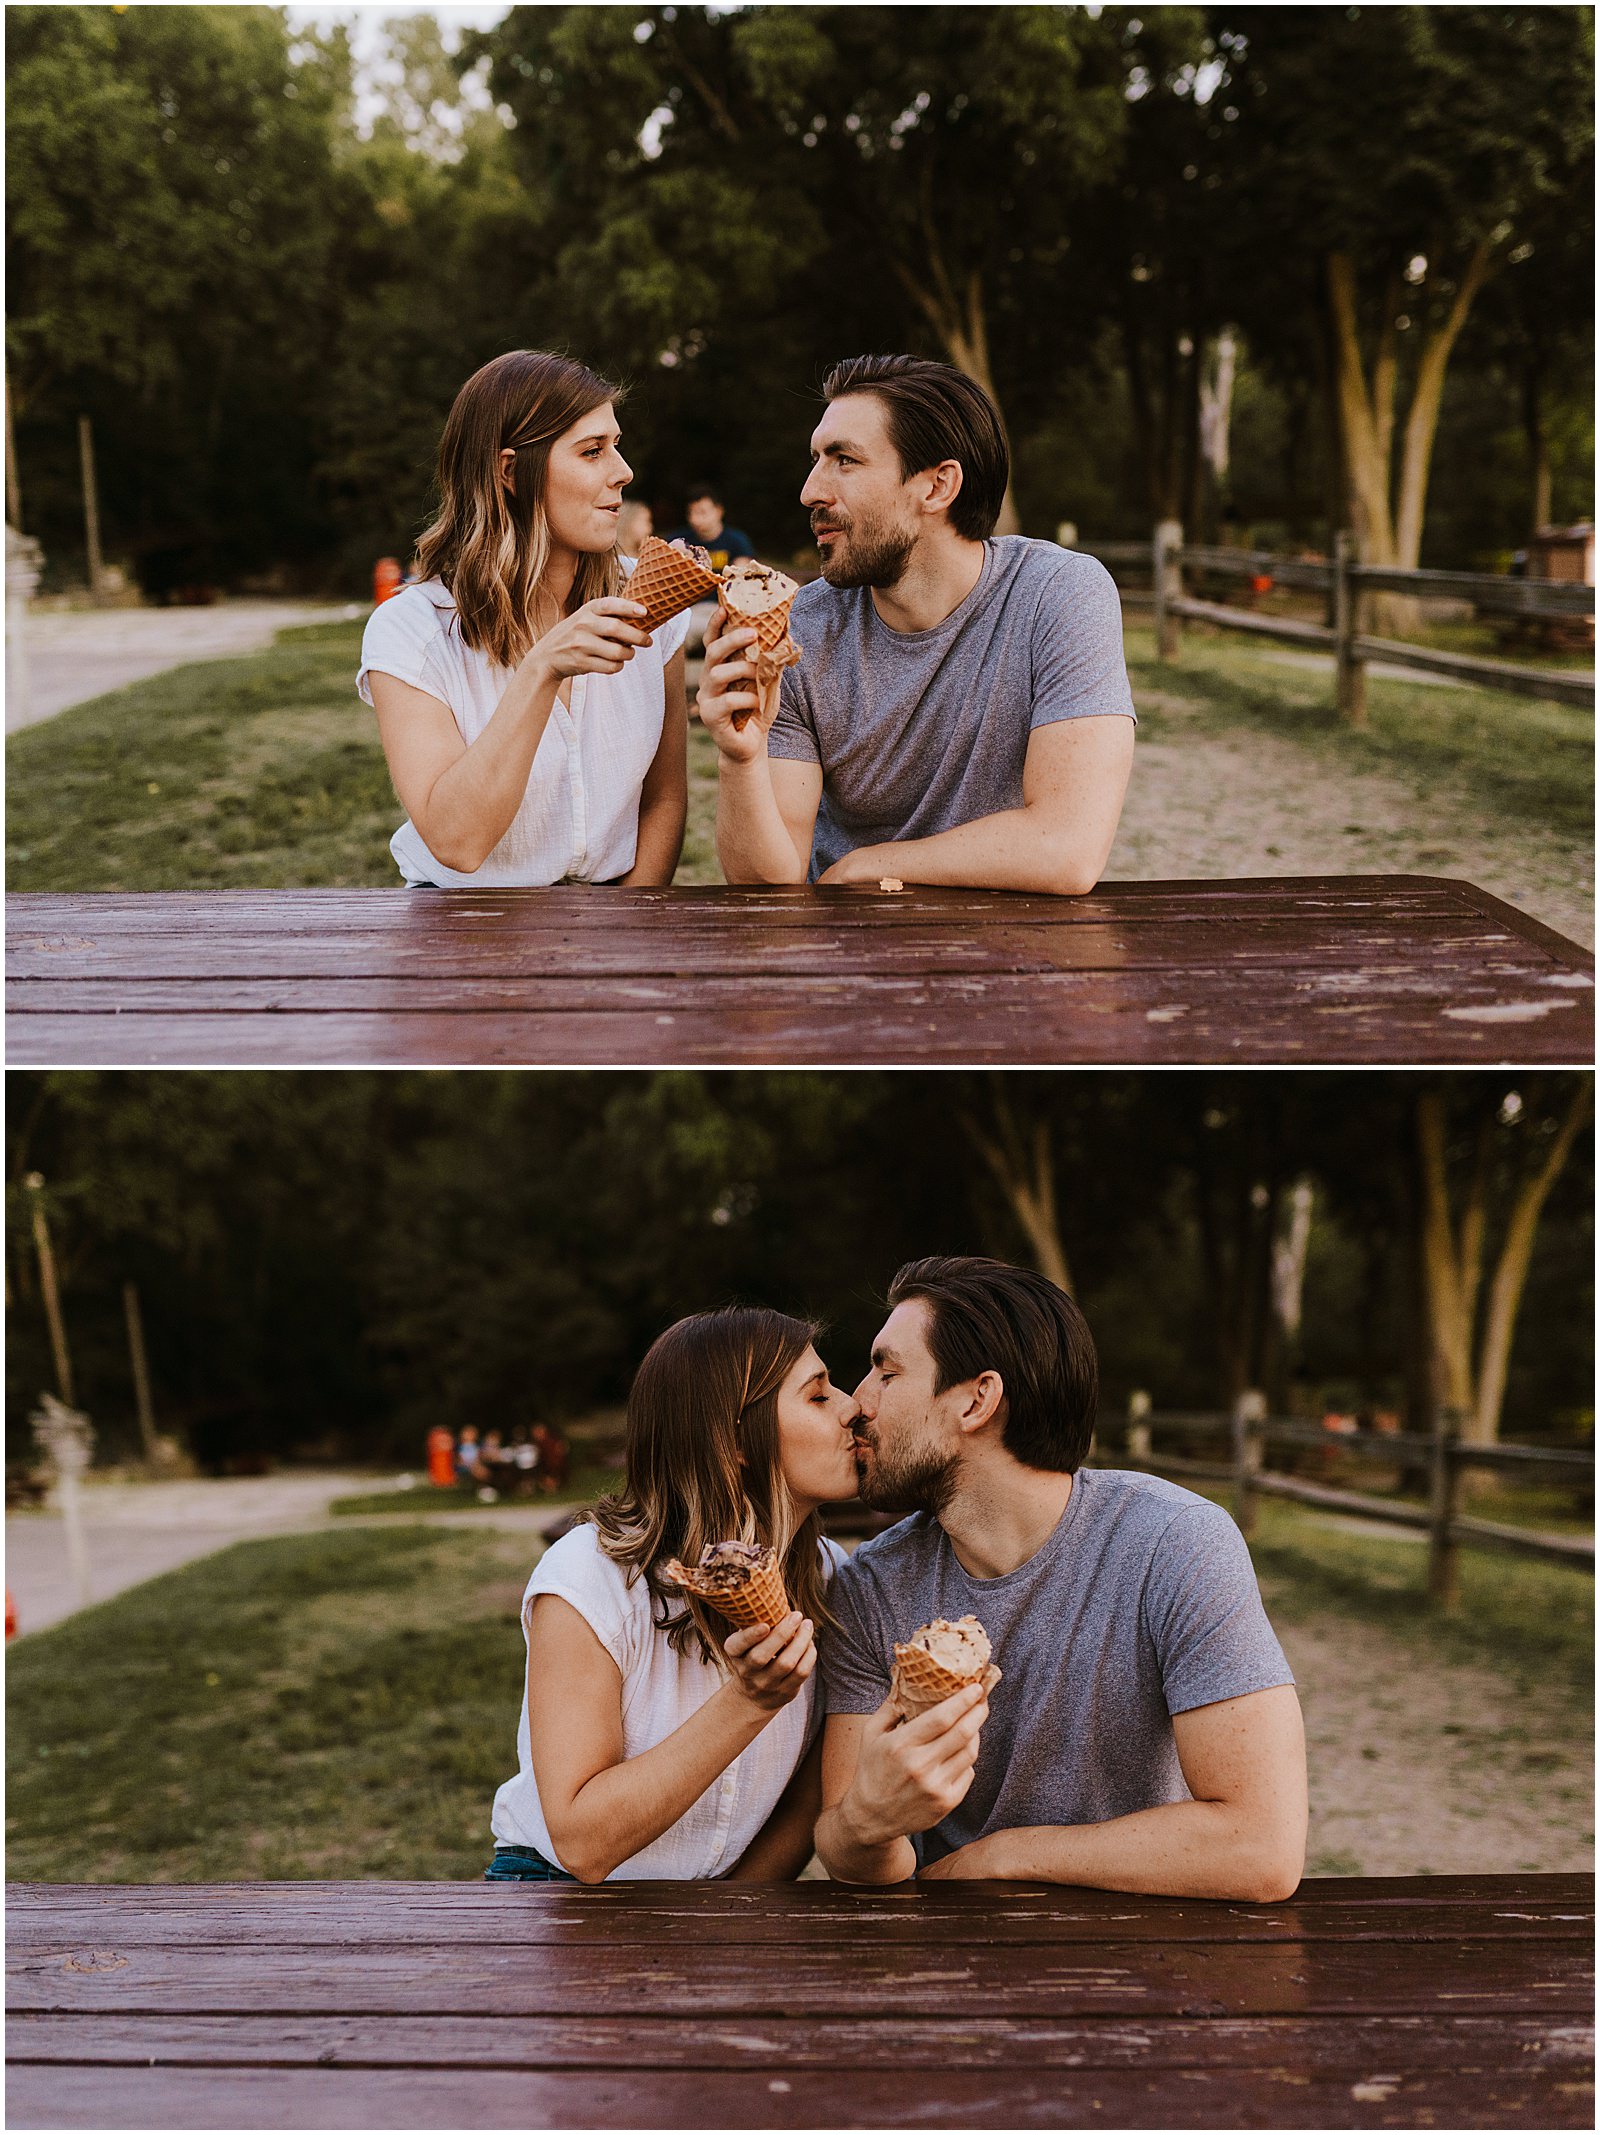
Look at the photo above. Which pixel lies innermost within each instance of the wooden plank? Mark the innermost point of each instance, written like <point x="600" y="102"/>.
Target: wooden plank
<point x="1319" y="2045"/>
<point x="1259" y="563"/>
<point x="1407" y="981"/>
<point x="935" y="1030"/>
<point x="1476" y="1975"/>
<point x="560" y="910"/>
<point x="1266" y="626"/>
<point x="1553" y="685"/>
<point x="33" y="1900"/>
<point x="1528" y="596"/>
<point x="1565" y="1894"/>
<point x="353" y="1917"/>
<point x="1370" y="2095"/>
<point x="1577" y="1550"/>
<point x="765" y="954"/>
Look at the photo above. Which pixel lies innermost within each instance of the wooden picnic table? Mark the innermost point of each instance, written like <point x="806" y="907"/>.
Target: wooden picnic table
<point x="1389" y="968"/>
<point x="1447" y="2001"/>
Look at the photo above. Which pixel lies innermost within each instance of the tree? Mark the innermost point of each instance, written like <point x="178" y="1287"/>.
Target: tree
<point x="1487" y="1161"/>
<point x="171" y="195"/>
<point x="703" y="161"/>
<point x="1399" y="156"/>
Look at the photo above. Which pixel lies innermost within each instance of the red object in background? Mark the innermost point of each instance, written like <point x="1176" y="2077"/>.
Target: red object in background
<point x="1261" y="585"/>
<point x="11" y="1617"/>
<point x="387" y="578"/>
<point x="441" y="1458"/>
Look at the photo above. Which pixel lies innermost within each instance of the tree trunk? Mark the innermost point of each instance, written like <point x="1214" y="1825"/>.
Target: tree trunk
<point x="1482" y="1426"/>
<point x="1022" y="1164"/>
<point x="1539" y="483"/>
<point x="961" y="322"/>
<point x="1422" y="422"/>
<point x="1451" y="1262"/>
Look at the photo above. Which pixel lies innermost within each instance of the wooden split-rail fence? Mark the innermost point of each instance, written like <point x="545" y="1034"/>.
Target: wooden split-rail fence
<point x="1442" y="1454"/>
<point x="1348" y="584"/>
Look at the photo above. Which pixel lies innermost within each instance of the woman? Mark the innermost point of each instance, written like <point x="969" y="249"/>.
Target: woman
<point x="534" y="732"/>
<point x="655" y="1741"/>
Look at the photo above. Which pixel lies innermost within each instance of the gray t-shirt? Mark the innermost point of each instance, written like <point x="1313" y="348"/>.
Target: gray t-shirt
<point x="1143" y="1603"/>
<point x="919" y="730"/>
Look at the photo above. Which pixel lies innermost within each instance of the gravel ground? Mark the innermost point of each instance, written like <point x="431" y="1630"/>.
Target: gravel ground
<point x="1248" y="803"/>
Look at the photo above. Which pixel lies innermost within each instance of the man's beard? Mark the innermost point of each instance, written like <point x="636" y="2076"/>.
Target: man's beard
<point x="925" y="1482"/>
<point x="867" y="555"/>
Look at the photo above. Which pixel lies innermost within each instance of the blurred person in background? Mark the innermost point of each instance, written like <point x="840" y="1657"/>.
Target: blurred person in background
<point x="654" y="1742"/>
<point x="635" y="524"/>
<point x="708" y="528"/>
<point x="534" y="732"/>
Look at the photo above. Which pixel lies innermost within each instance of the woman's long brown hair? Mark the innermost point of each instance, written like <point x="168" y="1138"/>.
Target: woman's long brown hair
<point x="491" y="545"/>
<point x="705" y="1395"/>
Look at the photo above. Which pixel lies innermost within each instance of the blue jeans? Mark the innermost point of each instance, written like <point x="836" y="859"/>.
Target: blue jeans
<point x="520" y="1864"/>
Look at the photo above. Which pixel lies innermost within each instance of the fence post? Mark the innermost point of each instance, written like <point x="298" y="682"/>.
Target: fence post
<point x="1249" y="1414"/>
<point x="1166" y="577"/>
<point x="1444" y="1502"/>
<point x="1350" y="670"/>
<point x="1139" y="1427"/>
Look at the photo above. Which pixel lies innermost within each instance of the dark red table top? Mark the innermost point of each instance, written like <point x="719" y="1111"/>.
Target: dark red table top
<point x="1385" y="969"/>
<point x="1445" y="2002"/>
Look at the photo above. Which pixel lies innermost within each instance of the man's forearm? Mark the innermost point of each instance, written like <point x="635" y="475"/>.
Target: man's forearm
<point x="852" y="1858"/>
<point x="1013" y="850"/>
<point x="1183" y="1849"/>
<point x="752" y="843"/>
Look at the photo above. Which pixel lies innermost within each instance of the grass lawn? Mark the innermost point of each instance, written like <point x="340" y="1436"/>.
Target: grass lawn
<point x="584" y="1483"/>
<point x="265" y="771"/>
<point x="345" y="1705"/>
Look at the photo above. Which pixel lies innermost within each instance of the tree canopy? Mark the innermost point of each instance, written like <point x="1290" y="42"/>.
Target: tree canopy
<point x="265" y="305"/>
<point x="335" y="1262"/>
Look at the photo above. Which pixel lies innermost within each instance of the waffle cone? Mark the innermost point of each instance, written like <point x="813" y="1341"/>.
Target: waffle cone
<point x="668" y="580"/>
<point x="762" y="1598"/>
<point x="774" y="649"/>
<point x="919" y="1681"/>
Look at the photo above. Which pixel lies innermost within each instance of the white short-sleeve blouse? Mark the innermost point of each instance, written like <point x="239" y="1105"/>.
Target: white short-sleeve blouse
<point x="660" y="1690"/>
<point x="579" y="819"/>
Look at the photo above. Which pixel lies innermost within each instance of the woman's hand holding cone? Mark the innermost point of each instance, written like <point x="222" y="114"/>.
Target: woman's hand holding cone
<point x="771" y="1664"/>
<point x="598" y="639"/>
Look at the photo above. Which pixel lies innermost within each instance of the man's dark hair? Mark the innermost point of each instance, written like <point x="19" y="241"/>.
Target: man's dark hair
<point x="703" y="489"/>
<point x="937" y="413"/>
<point x="984" y="1315"/>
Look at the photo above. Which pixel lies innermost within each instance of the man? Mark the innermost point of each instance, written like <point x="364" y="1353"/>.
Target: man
<point x="1145" y="1734"/>
<point x="709" y="529"/>
<point x="961" y="711"/>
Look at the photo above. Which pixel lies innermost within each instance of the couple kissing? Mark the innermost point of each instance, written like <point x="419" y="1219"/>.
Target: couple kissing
<point x="1140" y="1729"/>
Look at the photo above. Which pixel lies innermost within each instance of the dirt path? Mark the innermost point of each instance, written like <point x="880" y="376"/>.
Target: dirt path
<point x="135" y="1531"/>
<point x="1248" y="802"/>
<point x="72" y="656"/>
<point x="1440" y="1769"/>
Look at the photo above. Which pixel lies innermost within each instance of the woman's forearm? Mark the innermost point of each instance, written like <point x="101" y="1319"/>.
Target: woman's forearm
<point x="625" y="1808"/>
<point x="471" y="804"/>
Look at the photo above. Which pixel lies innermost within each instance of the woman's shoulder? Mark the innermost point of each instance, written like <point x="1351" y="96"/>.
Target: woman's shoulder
<point x="834" y="1555"/>
<point x="416" y="614"/>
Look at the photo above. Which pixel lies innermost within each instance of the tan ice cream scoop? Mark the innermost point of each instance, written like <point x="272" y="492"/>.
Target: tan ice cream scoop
<point x="940" y="1659"/>
<point x="740" y="1580"/>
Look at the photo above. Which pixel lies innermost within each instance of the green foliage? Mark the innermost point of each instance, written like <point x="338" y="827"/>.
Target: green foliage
<point x="335" y="1263"/>
<point x="267" y="314"/>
